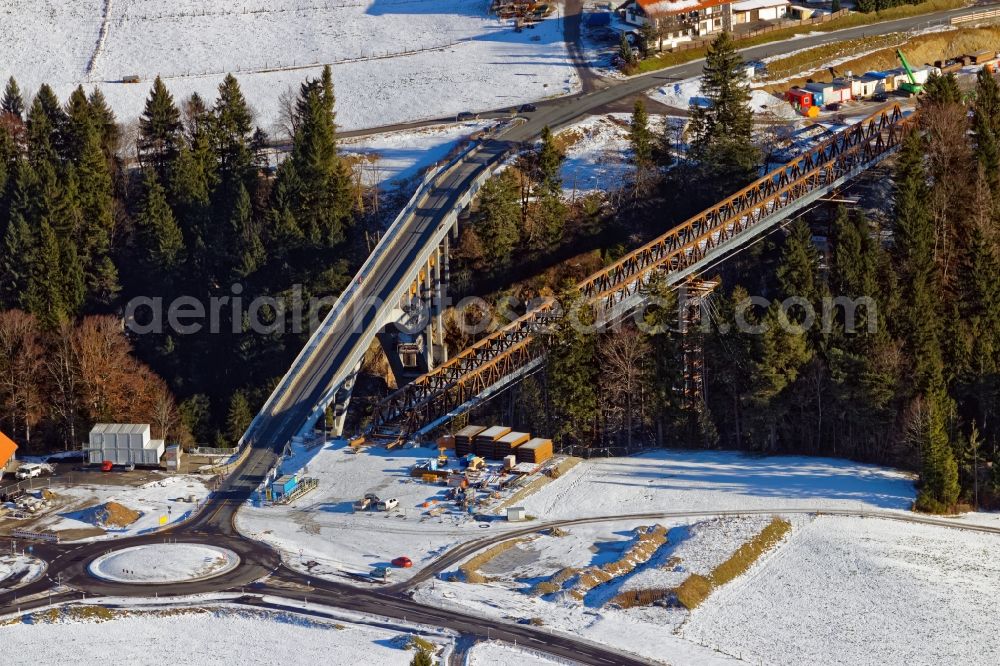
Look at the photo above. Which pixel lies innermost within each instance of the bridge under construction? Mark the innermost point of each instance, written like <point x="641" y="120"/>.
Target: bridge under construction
<point x="399" y="294"/>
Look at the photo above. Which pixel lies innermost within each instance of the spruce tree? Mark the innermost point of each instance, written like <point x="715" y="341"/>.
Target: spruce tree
<point x="799" y="266"/>
<point x="986" y="128"/>
<point x="721" y="131"/>
<point x="239" y="417"/>
<point x="161" y="243"/>
<point x="249" y="253"/>
<point x="105" y="123"/>
<point x="913" y="249"/>
<point x="640" y="138"/>
<point x="939" y="487"/>
<point x="159" y="129"/>
<point x="572" y="372"/>
<point x="549" y="162"/>
<point x="12" y="101"/>
<point x="498" y="218"/>
<point x="46" y="296"/>
<point x="315" y="187"/>
<point x="231" y="131"/>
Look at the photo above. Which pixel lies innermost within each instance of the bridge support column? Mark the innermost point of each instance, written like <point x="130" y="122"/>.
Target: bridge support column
<point x="440" y="284"/>
<point x="427" y="297"/>
<point x="691" y="297"/>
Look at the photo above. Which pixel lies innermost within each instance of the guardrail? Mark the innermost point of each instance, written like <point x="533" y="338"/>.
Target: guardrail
<point x="381" y="249"/>
<point x="978" y="16"/>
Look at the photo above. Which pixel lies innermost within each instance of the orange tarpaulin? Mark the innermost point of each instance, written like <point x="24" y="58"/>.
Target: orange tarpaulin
<point x="7" y="448"/>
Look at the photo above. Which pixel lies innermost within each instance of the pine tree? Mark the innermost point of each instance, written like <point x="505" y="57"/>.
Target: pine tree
<point x="626" y="53"/>
<point x="572" y="373"/>
<point x="721" y="131"/>
<point x="939" y="487"/>
<point x="498" y="218"/>
<point x="986" y="128"/>
<point x="249" y="253"/>
<point x="942" y="90"/>
<point x="46" y="295"/>
<point x="106" y="124"/>
<point x="640" y="138"/>
<point x="232" y="129"/>
<point x="160" y="129"/>
<point x="315" y="187"/>
<point x="15" y="263"/>
<point x="549" y="162"/>
<point x="798" y="269"/>
<point x="44" y="131"/>
<point x="12" y="101"/>
<point x="161" y="243"/>
<point x="96" y="198"/>
<point x="239" y="417"/>
<point x="913" y="250"/>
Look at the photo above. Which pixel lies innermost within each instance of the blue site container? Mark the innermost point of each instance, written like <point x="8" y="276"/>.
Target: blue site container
<point x="284" y="486"/>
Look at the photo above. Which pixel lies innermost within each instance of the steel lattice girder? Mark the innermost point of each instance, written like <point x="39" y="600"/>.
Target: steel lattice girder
<point x="492" y="359"/>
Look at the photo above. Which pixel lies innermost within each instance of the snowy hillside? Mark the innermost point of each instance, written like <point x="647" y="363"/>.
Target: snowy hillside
<point x="394" y="60"/>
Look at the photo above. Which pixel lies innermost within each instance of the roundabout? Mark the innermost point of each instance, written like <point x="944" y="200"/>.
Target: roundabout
<point x="164" y="564"/>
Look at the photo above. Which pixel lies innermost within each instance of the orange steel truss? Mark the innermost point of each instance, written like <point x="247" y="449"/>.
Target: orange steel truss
<point x="710" y="234"/>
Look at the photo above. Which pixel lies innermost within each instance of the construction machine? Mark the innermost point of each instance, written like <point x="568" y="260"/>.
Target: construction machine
<point x="910" y="87"/>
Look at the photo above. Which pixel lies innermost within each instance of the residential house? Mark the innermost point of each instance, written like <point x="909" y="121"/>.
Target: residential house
<point x="679" y="20"/>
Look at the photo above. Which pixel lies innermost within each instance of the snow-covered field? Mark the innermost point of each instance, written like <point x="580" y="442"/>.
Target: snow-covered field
<point x="495" y="653"/>
<point x="203" y="636"/>
<point x="718" y="480"/>
<point x="394" y="60"/>
<point x="78" y="506"/>
<point x="161" y="563"/>
<point x="17" y="570"/>
<point x="392" y="157"/>
<point x="853" y="591"/>
<point x="684" y="93"/>
<point x="599" y="157"/>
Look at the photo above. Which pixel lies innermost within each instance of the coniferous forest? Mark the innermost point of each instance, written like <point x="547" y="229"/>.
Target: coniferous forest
<point x="91" y="218"/>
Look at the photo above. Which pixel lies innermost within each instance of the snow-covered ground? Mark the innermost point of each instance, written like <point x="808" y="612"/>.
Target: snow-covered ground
<point x="161" y="563"/>
<point x="392" y="157"/>
<point x="17" y="570"/>
<point x="321" y="533"/>
<point x="78" y="506"/>
<point x="718" y="480"/>
<point x="852" y="591"/>
<point x="204" y="636"/>
<point x="599" y="157"/>
<point x="394" y="60"/>
<point x="683" y="94"/>
<point x="495" y="653"/>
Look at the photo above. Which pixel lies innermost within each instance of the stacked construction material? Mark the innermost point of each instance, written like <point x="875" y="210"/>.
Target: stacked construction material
<point x="506" y="444"/>
<point x="538" y="450"/>
<point x="464" y="439"/>
<point x="486" y="441"/>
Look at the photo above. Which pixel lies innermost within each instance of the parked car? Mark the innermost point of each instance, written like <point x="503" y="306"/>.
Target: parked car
<point x="402" y="562"/>
<point x="528" y="108"/>
<point x="28" y="471"/>
<point x="880" y="97"/>
<point x="388" y="504"/>
<point x="833" y="106"/>
<point x="466" y="115"/>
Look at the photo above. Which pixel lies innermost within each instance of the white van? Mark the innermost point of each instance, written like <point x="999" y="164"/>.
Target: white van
<point x="28" y="471"/>
<point x="388" y="504"/>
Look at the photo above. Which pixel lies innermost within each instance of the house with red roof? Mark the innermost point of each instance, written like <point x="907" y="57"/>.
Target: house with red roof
<point x="679" y="20"/>
<point x="7" y="449"/>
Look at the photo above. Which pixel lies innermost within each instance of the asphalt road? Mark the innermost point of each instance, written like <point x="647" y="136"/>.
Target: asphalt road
<point x="329" y="365"/>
